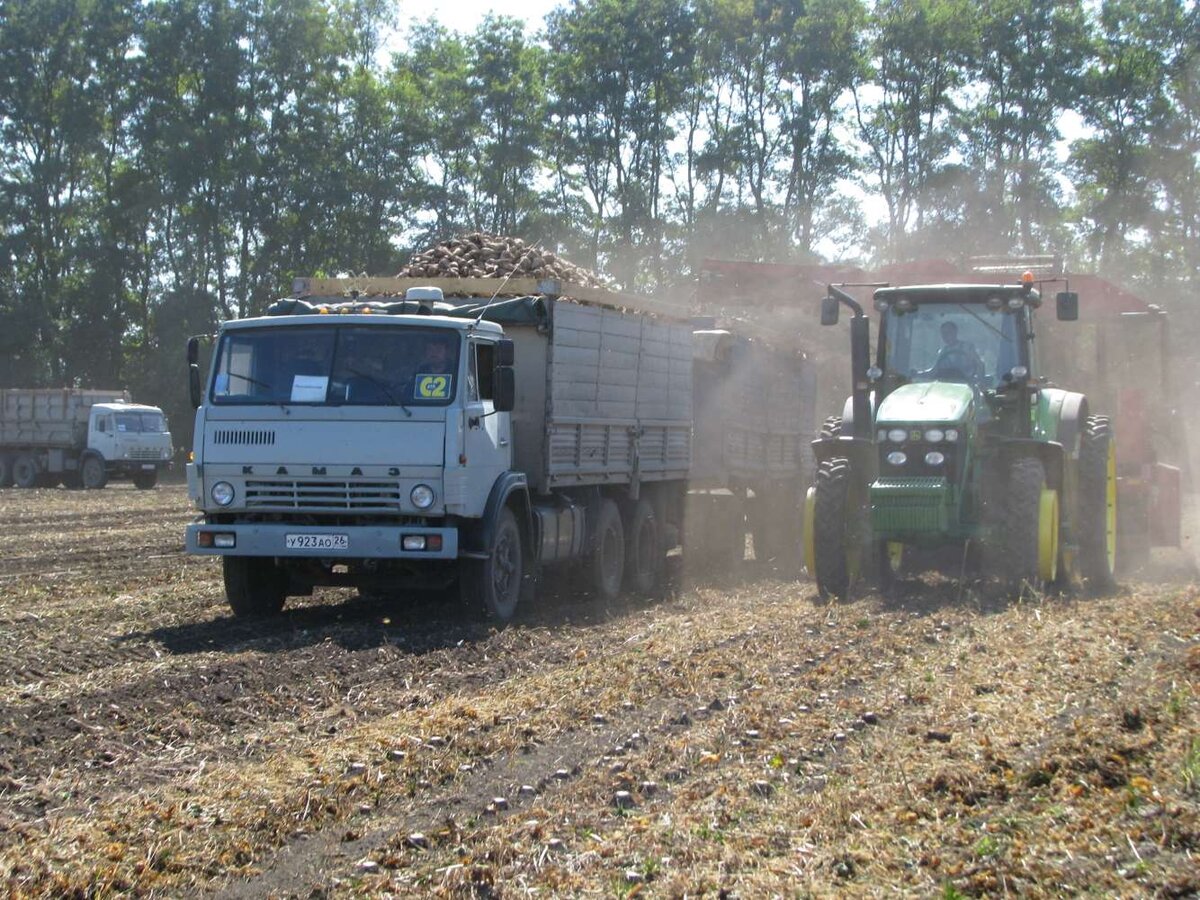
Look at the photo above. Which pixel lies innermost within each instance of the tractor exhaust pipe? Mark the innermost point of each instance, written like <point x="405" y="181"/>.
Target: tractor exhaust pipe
<point x="860" y="355"/>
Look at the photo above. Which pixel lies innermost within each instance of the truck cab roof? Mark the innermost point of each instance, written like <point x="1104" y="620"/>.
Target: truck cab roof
<point x="369" y="319"/>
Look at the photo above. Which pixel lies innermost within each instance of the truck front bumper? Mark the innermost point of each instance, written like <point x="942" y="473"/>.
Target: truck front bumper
<point x="325" y="542"/>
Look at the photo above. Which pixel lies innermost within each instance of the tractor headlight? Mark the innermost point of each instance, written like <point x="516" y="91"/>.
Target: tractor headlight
<point x="1015" y="303"/>
<point x="1018" y="372"/>
<point x="897" y="458"/>
<point x="935" y="435"/>
<point x="422" y="496"/>
<point x="933" y="458"/>
<point x="951" y="435"/>
<point x="882" y="305"/>
<point x="222" y="493"/>
<point x="897" y="435"/>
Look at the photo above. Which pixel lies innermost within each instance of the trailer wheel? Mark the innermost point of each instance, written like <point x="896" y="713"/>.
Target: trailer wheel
<point x="25" y="471"/>
<point x="144" y="481"/>
<point x="835" y="551"/>
<point x="608" y="551"/>
<point x="254" y="586"/>
<point x="497" y="580"/>
<point x="1031" y="526"/>
<point x="6" y="476"/>
<point x="644" y="555"/>
<point x="1097" y="506"/>
<point x="92" y="472"/>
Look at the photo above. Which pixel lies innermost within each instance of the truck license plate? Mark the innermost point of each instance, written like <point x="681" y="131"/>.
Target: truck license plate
<point x="317" y="541"/>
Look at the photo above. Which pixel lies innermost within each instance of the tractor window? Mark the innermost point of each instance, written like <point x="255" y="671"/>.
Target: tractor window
<point x="952" y="342"/>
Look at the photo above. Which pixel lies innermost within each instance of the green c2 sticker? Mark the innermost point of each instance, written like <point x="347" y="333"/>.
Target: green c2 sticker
<point x="433" y="387"/>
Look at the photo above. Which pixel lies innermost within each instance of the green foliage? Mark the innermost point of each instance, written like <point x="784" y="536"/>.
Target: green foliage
<point x="167" y="165"/>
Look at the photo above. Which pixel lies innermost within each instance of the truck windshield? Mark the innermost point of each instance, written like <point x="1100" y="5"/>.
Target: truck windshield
<point x="337" y="365"/>
<point x="966" y="342"/>
<point x="140" y="422"/>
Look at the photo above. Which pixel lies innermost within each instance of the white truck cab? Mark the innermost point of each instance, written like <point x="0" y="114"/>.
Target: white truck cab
<point x="126" y="439"/>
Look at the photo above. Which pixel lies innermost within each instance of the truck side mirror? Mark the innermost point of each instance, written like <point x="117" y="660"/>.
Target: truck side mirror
<point x="1068" y="306"/>
<point x="505" y="354"/>
<point x="193" y="360"/>
<point x="504" y="391"/>
<point x="829" y="310"/>
<point x="194" y="384"/>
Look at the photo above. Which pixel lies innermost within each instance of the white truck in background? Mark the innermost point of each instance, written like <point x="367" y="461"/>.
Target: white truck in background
<point x="335" y="444"/>
<point x="80" y="437"/>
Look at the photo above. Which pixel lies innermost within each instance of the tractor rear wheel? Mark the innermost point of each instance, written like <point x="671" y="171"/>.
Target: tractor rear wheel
<point x="832" y="529"/>
<point x="831" y="427"/>
<point x="1097" y="507"/>
<point x="1031" y="526"/>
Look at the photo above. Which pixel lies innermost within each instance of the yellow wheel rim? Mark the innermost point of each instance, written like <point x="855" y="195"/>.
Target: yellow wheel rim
<point x="1110" y="507"/>
<point x="1048" y="535"/>
<point x="810" y="516"/>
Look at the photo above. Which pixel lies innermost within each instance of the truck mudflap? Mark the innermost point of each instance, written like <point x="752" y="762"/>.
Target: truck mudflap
<point x="349" y="542"/>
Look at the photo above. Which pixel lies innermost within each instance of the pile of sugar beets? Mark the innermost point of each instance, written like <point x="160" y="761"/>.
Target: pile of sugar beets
<point x="481" y="255"/>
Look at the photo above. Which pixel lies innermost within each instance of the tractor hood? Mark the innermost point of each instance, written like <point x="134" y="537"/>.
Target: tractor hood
<point x="933" y="402"/>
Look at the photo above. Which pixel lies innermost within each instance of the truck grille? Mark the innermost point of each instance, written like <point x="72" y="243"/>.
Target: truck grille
<point x="357" y="496"/>
<point x="145" y="453"/>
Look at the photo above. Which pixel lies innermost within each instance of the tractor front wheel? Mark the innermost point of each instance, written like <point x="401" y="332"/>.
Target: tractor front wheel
<point x="1097" y="508"/>
<point x="1031" y="526"/>
<point x="833" y="539"/>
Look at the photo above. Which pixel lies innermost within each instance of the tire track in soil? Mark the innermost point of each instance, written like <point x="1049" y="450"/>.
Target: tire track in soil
<point x="307" y="865"/>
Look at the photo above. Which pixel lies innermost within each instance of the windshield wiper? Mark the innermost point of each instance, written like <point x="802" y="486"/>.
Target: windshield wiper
<point x="383" y="387"/>
<point x="253" y="381"/>
<point x="985" y="322"/>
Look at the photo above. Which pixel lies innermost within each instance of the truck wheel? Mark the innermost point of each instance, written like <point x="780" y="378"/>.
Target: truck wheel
<point x="25" y="471"/>
<point x="144" y="481"/>
<point x="1097" y="507"/>
<point x="834" y="555"/>
<point x="92" y="472"/>
<point x="607" y="564"/>
<point x="254" y="586"/>
<point x="6" y="475"/>
<point x="497" y="580"/>
<point x="644" y="555"/>
<point x="1031" y="526"/>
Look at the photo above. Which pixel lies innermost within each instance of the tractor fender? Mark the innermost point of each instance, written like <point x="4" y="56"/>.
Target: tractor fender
<point x="511" y="488"/>
<point x="1072" y="416"/>
<point x="1051" y="454"/>
<point x="848" y="413"/>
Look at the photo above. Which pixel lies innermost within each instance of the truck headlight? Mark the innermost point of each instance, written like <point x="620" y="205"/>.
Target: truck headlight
<point x="897" y="458"/>
<point x="422" y="496"/>
<point x="222" y="493"/>
<point x="934" y="458"/>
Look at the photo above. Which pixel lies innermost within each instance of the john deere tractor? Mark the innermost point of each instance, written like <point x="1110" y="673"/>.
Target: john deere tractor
<point x="951" y="441"/>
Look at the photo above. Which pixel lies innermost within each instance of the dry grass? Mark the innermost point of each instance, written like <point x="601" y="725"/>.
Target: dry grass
<point x="769" y="745"/>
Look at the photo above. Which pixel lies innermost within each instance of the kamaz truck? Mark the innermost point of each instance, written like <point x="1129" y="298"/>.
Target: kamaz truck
<point x="952" y="440"/>
<point x="392" y="435"/>
<point x="81" y="438"/>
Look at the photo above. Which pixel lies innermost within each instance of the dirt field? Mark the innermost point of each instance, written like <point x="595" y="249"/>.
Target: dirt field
<point x="736" y="739"/>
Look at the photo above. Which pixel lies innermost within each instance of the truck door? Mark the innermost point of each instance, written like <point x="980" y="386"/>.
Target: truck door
<point x="487" y="437"/>
<point x="102" y="435"/>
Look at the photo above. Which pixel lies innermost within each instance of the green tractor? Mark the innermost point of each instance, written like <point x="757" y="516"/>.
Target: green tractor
<point x="950" y="441"/>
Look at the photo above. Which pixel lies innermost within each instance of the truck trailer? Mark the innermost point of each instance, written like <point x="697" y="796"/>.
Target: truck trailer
<point x="375" y="434"/>
<point x="80" y="437"/>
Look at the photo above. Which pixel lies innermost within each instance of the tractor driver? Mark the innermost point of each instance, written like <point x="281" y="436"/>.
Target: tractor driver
<point x="957" y="357"/>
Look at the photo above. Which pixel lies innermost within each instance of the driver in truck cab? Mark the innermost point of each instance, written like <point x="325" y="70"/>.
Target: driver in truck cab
<point x="438" y="357"/>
